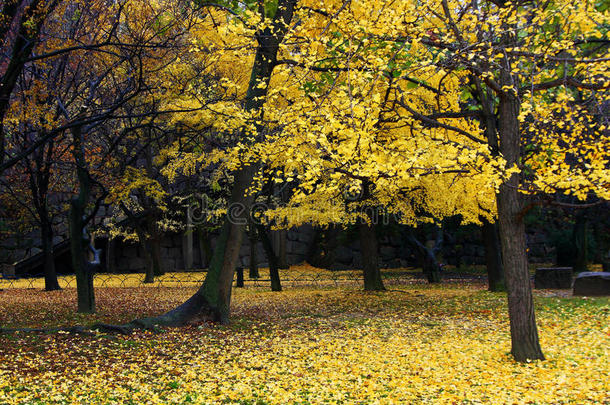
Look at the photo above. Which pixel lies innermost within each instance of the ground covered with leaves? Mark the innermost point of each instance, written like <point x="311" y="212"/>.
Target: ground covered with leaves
<point x="413" y="344"/>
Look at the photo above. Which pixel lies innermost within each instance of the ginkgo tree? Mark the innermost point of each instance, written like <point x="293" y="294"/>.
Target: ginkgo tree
<point x="330" y="117"/>
<point x="536" y="74"/>
<point x="473" y="87"/>
<point x="426" y="102"/>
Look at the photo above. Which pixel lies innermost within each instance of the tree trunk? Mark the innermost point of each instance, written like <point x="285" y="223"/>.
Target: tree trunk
<point x="149" y="270"/>
<point x="427" y="255"/>
<point x="431" y="267"/>
<point x="187" y="248"/>
<point x="274" y="273"/>
<point x="50" y="276"/>
<point x="524" y="333"/>
<point x="78" y="235"/>
<point x="110" y="256"/>
<point x="84" y="275"/>
<point x="581" y="242"/>
<point x="253" y="265"/>
<point x="155" y="252"/>
<point x="493" y="257"/>
<point x="205" y="250"/>
<point x="216" y="289"/>
<point x="370" y="256"/>
<point x="281" y="250"/>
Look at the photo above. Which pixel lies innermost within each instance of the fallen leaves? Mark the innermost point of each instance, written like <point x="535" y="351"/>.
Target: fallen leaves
<point x="415" y="344"/>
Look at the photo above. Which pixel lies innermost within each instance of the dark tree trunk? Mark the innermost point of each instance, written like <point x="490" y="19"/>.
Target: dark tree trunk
<point x="149" y="270"/>
<point x="154" y="243"/>
<point x="205" y="249"/>
<point x="84" y="273"/>
<point x="240" y="277"/>
<point x="427" y="255"/>
<point x="581" y="242"/>
<point x="152" y="256"/>
<point x="110" y="256"/>
<point x="79" y="239"/>
<point x="524" y="333"/>
<point x="493" y="257"/>
<point x="274" y="273"/>
<point x="370" y="256"/>
<point x="155" y="251"/>
<point x="50" y="276"/>
<point x="431" y="267"/>
<point x="281" y="251"/>
<point x="253" y="265"/>
<point x="323" y="246"/>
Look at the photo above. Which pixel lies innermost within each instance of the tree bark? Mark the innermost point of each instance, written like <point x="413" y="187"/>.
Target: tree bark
<point x="580" y="238"/>
<point x="187" y="248"/>
<point x="274" y="273"/>
<point x="155" y="252"/>
<point x="78" y="236"/>
<point x="493" y="257"/>
<point x="253" y="265"/>
<point x="524" y="333"/>
<point x="50" y="275"/>
<point x="369" y="247"/>
<point x="281" y="250"/>
<point x="110" y="256"/>
<point x="205" y="250"/>
<point x="145" y="246"/>
<point x="431" y="267"/>
<point x="427" y="256"/>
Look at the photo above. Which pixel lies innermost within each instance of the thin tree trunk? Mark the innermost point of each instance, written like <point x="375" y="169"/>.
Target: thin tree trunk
<point x="431" y="267"/>
<point x="149" y="271"/>
<point x="427" y="257"/>
<point x="282" y="251"/>
<point x="370" y="256"/>
<point x="253" y="265"/>
<point x="155" y="252"/>
<point x="524" y="333"/>
<point x="187" y="248"/>
<point x="78" y="236"/>
<point x="50" y="275"/>
<point x="580" y="239"/>
<point x="154" y="244"/>
<point x="110" y="256"/>
<point x="493" y="257"/>
<point x="205" y="250"/>
<point x="274" y="273"/>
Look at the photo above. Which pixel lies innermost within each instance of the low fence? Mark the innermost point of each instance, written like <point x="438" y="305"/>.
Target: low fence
<point x="295" y="276"/>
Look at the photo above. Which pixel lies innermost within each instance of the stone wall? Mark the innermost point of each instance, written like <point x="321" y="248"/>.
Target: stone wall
<point x="464" y="248"/>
